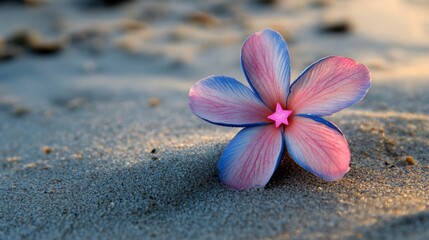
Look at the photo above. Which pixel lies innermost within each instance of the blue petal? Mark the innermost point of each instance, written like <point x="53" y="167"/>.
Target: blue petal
<point x="318" y="146"/>
<point x="328" y="86"/>
<point x="321" y="120"/>
<point x="251" y="158"/>
<point x="266" y="65"/>
<point x="225" y="101"/>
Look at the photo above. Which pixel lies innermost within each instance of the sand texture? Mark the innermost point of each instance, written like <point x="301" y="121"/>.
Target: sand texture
<point x="97" y="140"/>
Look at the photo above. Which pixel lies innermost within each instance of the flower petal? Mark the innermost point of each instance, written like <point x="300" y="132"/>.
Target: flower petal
<point x="251" y="157"/>
<point x="318" y="146"/>
<point x="266" y="64"/>
<point x="328" y="86"/>
<point x="225" y="101"/>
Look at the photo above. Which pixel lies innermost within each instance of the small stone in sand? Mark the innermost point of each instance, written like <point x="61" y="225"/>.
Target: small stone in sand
<point x="203" y="19"/>
<point x="46" y="167"/>
<point x="153" y="151"/>
<point x="267" y="2"/>
<point x="130" y="25"/>
<point x="337" y="26"/>
<point x="30" y="165"/>
<point x="78" y="155"/>
<point x="75" y="103"/>
<point x="46" y="149"/>
<point x="410" y="160"/>
<point x="13" y="159"/>
<point x="39" y="45"/>
<point x="35" y="43"/>
<point x="20" y="111"/>
<point x="105" y="3"/>
<point x="154" y="102"/>
<point x="412" y="130"/>
<point x="390" y="142"/>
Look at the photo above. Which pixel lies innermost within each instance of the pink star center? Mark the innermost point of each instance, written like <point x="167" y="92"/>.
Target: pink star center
<point x="280" y="116"/>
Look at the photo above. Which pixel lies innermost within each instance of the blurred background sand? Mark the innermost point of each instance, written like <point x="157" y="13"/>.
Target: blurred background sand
<point x="97" y="141"/>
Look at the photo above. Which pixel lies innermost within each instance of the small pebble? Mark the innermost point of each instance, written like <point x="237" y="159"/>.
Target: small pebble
<point x="267" y="2"/>
<point x="130" y="25"/>
<point x="153" y="102"/>
<point x="30" y="165"/>
<point x="13" y="159"/>
<point x="103" y="3"/>
<point x="410" y="160"/>
<point x="75" y="103"/>
<point x="35" y="43"/>
<point x="337" y="26"/>
<point x="20" y="111"/>
<point x="412" y="133"/>
<point x="46" y="149"/>
<point x="38" y="45"/>
<point x="412" y="130"/>
<point x="203" y="19"/>
<point x="78" y="155"/>
<point x="153" y="151"/>
<point x="390" y="142"/>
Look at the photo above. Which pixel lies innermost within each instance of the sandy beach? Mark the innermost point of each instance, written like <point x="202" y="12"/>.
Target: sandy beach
<point x="97" y="140"/>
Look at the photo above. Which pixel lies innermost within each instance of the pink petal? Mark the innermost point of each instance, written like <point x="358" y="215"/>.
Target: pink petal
<point x="251" y="157"/>
<point x="266" y="64"/>
<point x="225" y="101"/>
<point x="318" y="146"/>
<point x="328" y="86"/>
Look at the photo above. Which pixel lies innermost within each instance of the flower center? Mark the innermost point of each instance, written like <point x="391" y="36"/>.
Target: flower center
<point x="280" y="115"/>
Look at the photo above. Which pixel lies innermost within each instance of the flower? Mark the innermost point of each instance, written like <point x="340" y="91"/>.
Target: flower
<point x="276" y="115"/>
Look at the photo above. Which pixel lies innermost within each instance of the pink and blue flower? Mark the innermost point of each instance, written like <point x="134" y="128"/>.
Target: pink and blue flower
<point x="276" y="115"/>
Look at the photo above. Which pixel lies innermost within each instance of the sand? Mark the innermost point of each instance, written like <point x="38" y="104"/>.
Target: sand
<point x="97" y="140"/>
